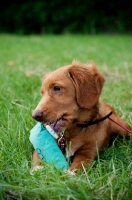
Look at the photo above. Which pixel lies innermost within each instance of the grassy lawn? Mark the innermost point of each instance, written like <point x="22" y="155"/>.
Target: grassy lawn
<point x="23" y="62"/>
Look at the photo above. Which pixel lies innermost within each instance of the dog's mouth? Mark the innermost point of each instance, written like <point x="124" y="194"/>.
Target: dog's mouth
<point x="58" y="125"/>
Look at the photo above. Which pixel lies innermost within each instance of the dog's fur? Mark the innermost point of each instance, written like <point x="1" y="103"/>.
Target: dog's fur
<point x="78" y="101"/>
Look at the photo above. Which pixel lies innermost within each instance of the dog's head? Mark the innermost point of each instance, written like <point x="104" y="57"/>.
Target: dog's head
<point x="67" y="90"/>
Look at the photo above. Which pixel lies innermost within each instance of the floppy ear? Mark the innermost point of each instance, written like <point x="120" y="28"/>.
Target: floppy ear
<point x="88" y="83"/>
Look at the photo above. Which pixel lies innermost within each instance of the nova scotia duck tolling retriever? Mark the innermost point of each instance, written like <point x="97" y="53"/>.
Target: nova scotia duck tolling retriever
<point x="71" y="104"/>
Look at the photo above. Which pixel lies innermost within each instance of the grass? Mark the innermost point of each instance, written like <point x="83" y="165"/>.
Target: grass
<point x="23" y="62"/>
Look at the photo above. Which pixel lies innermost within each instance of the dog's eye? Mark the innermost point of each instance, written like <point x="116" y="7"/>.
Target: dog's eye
<point x="57" y="88"/>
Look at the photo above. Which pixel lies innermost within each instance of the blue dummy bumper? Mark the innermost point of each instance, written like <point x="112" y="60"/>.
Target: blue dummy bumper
<point x="47" y="148"/>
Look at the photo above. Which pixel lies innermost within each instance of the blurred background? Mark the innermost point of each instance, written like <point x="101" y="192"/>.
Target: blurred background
<point x="57" y="17"/>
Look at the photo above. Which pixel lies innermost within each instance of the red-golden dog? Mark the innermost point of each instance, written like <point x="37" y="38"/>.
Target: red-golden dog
<point x="71" y="103"/>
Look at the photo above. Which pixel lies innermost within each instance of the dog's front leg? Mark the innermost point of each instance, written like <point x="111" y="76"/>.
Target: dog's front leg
<point x="83" y="157"/>
<point x="36" y="159"/>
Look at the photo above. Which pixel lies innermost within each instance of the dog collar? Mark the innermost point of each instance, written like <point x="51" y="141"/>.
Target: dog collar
<point x="94" y="122"/>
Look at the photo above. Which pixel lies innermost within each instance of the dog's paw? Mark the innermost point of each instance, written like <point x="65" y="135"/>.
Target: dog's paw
<point x="69" y="172"/>
<point x="36" y="168"/>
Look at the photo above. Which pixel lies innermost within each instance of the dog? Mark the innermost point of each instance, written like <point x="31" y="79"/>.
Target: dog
<point x="71" y="104"/>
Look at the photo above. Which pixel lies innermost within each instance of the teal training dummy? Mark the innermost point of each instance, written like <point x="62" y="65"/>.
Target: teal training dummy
<point x="44" y="143"/>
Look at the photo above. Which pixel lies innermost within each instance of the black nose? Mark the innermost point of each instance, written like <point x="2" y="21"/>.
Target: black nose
<point x="37" y="115"/>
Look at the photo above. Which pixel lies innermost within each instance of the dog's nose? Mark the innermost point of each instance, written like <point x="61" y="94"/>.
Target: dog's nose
<point x="37" y="115"/>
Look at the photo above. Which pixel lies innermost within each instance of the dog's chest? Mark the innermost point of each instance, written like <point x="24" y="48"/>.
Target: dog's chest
<point x="74" y="141"/>
<point x="71" y="148"/>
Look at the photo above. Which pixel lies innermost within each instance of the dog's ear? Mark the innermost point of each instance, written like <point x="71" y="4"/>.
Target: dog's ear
<point x="88" y="83"/>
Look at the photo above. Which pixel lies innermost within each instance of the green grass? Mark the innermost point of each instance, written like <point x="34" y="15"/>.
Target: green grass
<point x="23" y="62"/>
